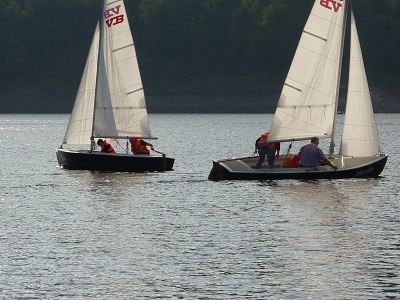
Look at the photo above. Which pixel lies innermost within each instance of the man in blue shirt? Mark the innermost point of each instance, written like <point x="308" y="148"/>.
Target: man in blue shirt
<point x="312" y="156"/>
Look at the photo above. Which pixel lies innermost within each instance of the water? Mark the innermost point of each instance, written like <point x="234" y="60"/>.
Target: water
<point x="176" y="235"/>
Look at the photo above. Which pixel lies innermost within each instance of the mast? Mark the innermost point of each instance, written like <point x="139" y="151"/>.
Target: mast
<point x="92" y="143"/>
<point x="332" y="144"/>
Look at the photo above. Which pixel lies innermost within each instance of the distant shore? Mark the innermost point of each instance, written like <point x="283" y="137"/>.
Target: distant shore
<point x="48" y="100"/>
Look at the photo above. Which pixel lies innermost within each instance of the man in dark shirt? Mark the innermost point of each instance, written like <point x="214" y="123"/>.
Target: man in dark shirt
<point x="312" y="156"/>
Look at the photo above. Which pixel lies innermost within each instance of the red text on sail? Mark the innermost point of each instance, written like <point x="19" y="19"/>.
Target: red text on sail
<point x="332" y="4"/>
<point x="113" y="17"/>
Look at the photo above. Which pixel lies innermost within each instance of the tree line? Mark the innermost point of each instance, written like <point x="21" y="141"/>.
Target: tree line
<point x="185" y="39"/>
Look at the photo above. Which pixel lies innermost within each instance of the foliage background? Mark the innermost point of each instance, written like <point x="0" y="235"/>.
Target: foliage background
<point x="189" y="50"/>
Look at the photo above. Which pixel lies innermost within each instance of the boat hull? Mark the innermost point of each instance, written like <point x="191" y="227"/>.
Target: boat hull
<point x="100" y="161"/>
<point x="240" y="169"/>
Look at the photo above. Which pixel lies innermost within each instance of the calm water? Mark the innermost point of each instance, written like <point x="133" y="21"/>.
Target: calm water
<point x="176" y="235"/>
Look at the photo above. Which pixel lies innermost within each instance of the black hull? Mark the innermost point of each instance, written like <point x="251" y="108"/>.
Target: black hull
<point x="221" y="171"/>
<point x="98" y="161"/>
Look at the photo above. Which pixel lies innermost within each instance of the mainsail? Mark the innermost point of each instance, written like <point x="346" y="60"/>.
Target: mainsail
<point x="360" y="136"/>
<point x="111" y="90"/>
<point x="308" y="102"/>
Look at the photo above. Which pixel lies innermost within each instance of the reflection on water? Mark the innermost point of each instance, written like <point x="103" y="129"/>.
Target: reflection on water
<point x="334" y="227"/>
<point x="176" y="235"/>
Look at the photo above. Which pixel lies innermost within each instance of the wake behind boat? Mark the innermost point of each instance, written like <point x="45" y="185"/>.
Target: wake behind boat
<point x="110" y="103"/>
<point x="308" y="104"/>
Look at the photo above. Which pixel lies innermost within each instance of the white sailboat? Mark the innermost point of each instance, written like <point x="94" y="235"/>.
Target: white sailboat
<point x="308" y="104"/>
<point x="110" y="103"/>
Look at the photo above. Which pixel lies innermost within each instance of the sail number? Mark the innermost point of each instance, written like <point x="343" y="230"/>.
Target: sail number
<point x="332" y="4"/>
<point x="364" y="172"/>
<point x="113" y="17"/>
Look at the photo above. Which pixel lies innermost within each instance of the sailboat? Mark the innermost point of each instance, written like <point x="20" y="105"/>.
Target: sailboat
<point x="308" y="104"/>
<point x="110" y="103"/>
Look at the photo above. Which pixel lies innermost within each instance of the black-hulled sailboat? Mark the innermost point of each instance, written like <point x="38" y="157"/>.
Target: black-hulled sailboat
<point x="110" y="103"/>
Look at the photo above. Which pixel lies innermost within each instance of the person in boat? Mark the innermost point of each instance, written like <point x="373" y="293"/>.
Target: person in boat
<point x="312" y="156"/>
<point x="105" y="147"/>
<point x="265" y="148"/>
<point x="139" y="146"/>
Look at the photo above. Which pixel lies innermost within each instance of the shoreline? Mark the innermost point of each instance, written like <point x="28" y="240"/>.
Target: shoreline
<point x="238" y="101"/>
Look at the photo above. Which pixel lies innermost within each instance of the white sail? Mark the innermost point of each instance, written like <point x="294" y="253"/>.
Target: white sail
<point x="120" y="108"/>
<point x="360" y="136"/>
<point x="80" y="123"/>
<point x="110" y="101"/>
<point x="307" y="105"/>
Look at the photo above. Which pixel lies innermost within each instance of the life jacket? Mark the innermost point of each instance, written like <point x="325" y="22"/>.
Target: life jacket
<point x="106" y="147"/>
<point x="138" y="148"/>
<point x="294" y="162"/>
<point x="262" y="143"/>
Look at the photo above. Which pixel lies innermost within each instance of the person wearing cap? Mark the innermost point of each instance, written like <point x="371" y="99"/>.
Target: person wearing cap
<point x="105" y="147"/>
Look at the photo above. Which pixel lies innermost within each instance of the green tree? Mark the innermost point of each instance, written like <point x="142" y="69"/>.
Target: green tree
<point x="186" y="39"/>
<point x="59" y="32"/>
<point x="12" y="54"/>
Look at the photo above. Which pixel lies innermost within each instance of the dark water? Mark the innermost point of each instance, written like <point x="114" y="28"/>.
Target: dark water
<point x="176" y="235"/>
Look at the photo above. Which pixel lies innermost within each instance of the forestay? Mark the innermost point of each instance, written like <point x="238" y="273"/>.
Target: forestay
<point x="308" y="102"/>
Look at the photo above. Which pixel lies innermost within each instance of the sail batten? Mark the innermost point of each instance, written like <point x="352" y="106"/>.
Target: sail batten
<point x="307" y="104"/>
<point x="314" y="35"/>
<point x="115" y="50"/>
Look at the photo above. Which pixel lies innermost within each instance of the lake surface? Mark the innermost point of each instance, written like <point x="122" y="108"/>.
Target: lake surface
<point x="176" y="235"/>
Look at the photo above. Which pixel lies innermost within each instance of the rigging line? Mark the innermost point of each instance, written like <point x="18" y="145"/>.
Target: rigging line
<point x="285" y="158"/>
<point x="119" y="145"/>
<point x="294" y="118"/>
<point x="289" y="148"/>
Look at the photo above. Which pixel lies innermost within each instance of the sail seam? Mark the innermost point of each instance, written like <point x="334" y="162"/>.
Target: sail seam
<point x="111" y="3"/>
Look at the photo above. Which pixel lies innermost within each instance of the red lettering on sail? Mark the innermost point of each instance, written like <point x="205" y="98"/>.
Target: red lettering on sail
<point x="329" y="4"/>
<point x="114" y="21"/>
<point x="112" y="12"/>
<point x="113" y="17"/>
